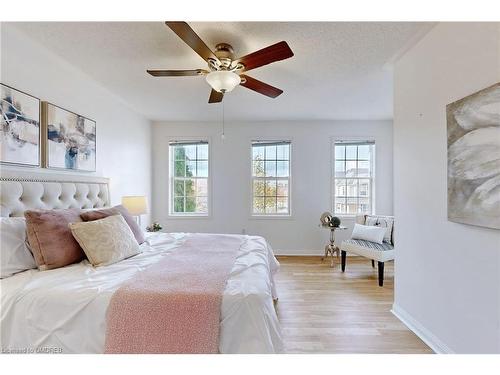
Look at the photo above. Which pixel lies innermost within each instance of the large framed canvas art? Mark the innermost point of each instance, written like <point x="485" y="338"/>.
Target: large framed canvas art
<point x="473" y="125"/>
<point x="19" y="127"/>
<point x="70" y="139"/>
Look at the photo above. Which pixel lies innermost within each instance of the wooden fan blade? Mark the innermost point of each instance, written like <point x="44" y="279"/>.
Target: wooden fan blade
<point x="276" y="52"/>
<point x="260" y="87"/>
<point x="176" y="73"/>
<point x="187" y="34"/>
<point x="215" y="97"/>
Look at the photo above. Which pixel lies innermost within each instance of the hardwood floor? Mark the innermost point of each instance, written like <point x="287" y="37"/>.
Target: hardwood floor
<point x="323" y="310"/>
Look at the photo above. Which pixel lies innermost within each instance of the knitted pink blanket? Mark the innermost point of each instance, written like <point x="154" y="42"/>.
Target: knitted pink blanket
<point x="174" y="305"/>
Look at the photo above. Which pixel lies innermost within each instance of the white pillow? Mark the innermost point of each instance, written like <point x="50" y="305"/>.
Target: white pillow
<point x="383" y="222"/>
<point x="14" y="254"/>
<point x="105" y="241"/>
<point x="368" y="233"/>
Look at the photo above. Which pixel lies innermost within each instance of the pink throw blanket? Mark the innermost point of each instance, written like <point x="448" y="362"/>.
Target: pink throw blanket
<point x="174" y="305"/>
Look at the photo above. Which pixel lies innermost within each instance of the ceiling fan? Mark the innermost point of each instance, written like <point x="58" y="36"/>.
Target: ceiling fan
<point x="226" y="72"/>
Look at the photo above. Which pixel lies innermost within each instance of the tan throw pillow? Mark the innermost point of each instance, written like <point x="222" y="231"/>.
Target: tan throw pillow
<point x="105" y="241"/>
<point x="105" y="212"/>
<point x="50" y="239"/>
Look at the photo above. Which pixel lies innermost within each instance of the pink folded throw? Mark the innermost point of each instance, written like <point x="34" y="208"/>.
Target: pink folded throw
<point x="174" y="305"/>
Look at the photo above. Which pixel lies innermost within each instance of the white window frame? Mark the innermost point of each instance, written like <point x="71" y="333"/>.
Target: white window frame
<point x="289" y="178"/>
<point x="372" y="178"/>
<point x="171" y="171"/>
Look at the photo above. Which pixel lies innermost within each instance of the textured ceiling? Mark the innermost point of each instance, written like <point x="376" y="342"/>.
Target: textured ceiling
<point x="337" y="71"/>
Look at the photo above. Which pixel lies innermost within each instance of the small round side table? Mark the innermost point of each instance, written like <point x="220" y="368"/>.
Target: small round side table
<point x="331" y="248"/>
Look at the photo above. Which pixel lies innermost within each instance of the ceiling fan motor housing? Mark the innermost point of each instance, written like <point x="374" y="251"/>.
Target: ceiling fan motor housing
<point x="224" y="51"/>
<point x="225" y="55"/>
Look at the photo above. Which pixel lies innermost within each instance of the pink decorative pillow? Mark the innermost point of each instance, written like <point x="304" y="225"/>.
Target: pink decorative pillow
<point x="50" y="239"/>
<point x="101" y="214"/>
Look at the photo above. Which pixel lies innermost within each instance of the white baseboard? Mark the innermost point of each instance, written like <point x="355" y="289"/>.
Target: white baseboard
<point x="425" y="335"/>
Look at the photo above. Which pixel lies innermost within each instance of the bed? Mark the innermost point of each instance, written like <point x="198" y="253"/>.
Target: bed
<point x="65" y="308"/>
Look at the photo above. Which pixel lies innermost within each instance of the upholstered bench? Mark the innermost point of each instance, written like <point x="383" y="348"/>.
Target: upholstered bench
<point x="380" y="252"/>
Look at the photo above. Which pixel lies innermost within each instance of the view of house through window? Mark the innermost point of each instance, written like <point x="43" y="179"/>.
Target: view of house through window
<point x="188" y="178"/>
<point x="353" y="177"/>
<point x="271" y="178"/>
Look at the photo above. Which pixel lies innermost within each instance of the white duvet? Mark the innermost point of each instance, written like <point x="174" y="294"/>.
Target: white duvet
<point x="64" y="310"/>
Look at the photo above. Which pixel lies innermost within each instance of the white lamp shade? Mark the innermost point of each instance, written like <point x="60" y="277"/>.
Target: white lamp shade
<point x="223" y="80"/>
<point x="135" y="204"/>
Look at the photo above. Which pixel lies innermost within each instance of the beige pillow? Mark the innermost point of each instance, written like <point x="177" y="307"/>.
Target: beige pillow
<point x="105" y="212"/>
<point x="105" y="241"/>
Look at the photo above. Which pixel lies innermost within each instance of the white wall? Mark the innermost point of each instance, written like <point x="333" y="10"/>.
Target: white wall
<point x="311" y="178"/>
<point x="123" y="136"/>
<point x="447" y="274"/>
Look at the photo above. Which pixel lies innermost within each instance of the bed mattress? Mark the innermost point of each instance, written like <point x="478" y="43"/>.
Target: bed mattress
<point x="64" y="310"/>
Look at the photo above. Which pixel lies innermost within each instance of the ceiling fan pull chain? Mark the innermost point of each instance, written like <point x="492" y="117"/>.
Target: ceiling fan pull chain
<point x="223" y="129"/>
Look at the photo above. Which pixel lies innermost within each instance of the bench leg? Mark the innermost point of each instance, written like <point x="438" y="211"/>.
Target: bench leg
<point x="373" y="263"/>
<point x="380" y="273"/>
<point x="343" y="260"/>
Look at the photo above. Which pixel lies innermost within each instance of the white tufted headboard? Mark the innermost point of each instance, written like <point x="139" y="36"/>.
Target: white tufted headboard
<point x="23" y="190"/>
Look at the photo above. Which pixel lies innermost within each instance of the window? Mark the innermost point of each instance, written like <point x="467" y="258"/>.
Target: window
<point x="271" y="178"/>
<point x="189" y="178"/>
<point x="353" y="177"/>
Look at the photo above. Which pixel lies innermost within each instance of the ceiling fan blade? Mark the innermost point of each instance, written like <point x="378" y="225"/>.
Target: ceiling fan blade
<point x="187" y="34"/>
<point x="176" y="73"/>
<point x="260" y="87"/>
<point x="215" y="96"/>
<point x="276" y="52"/>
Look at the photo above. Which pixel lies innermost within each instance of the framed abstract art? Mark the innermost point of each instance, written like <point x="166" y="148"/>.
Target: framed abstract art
<point x="19" y="127"/>
<point x="70" y="139"/>
<point x="473" y="127"/>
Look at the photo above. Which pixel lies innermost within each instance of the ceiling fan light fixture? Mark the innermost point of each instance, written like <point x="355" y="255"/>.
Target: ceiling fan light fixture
<point x="223" y="80"/>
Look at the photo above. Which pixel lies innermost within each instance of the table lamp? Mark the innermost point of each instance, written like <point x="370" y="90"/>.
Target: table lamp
<point x="137" y="205"/>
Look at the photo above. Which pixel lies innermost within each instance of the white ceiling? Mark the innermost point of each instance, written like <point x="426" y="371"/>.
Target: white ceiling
<point x="338" y="72"/>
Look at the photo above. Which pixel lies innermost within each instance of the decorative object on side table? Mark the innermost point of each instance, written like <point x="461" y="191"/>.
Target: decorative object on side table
<point x="137" y="205"/>
<point x="19" y="127"/>
<point x="473" y="127"/>
<point x="71" y="139"/>
<point x="155" y="227"/>
<point x="333" y="223"/>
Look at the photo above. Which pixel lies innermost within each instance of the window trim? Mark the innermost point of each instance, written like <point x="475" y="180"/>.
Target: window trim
<point x="276" y="216"/>
<point x="189" y="215"/>
<point x="373" y="179"/>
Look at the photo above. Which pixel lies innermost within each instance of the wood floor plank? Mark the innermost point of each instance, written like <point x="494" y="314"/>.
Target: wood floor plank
<point x="323" y="310"/>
